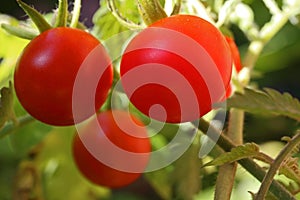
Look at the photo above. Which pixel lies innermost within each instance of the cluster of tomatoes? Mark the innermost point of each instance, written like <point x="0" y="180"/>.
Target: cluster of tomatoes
<point x="181" y="63"/>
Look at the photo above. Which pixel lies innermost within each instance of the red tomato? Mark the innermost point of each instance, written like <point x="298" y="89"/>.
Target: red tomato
<point x="181" y="63"/>
<point x="235" y="53"/>
<point x="112" y="150"/>
<point x="46" y="73"/>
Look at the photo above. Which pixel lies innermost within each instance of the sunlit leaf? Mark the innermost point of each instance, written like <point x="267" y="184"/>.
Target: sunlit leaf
<point x="268" y="101"/>
<point x="13" y="47"/>
<point x="238" y="153"/>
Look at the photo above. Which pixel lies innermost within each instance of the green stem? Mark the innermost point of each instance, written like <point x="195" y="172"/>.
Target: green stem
<point x="151" y="10"/>
<point x="62" y="15"/>
<point x="267" y="181"/>
<point x="256" y="46"/>
<point x="176" y="8"/>
<point x="122" y="20"/>
<point x="35" y="16"/>
<point x="75" y="14"/>
<point x="10" y="127"/>
<point x="226" y="174"/>
<point x="226" y="144"/>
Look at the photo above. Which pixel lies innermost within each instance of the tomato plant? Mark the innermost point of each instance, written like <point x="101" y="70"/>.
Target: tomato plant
<point x="127" y="134"/>
<point x="173" y="58"/>
<point x="46" y="72"/>
<point x="174" y="65"/>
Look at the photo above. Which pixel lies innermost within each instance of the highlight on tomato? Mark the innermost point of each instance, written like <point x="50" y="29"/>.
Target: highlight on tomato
<point x="112" y="149"/>
<point x="46" y="72"/>
<point x="176" y="69"/>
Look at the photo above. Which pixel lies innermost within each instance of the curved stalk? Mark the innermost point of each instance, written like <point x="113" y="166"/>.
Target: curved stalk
<point x="267" y="181"/>
<point x="226" y="144"/>
<point x="11" y="127"/>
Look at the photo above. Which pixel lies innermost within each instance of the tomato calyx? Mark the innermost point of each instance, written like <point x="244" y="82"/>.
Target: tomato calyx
<point x="41" y="23"/>
<point x="151" y="11"/>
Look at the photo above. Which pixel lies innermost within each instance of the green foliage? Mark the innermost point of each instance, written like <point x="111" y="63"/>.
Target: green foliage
<point x="243" y="151"/>
<point x="290" y="169"/>
<point x="57" y="169"/>
<point x="6" y="105"/>
<point x="35" y="16"/>
<point x="160" y="181"/>
<point x="186" y="174"/>
<point x="106" y="25"/>
<point x="9" y="54"/>
<point x="268" y="101"/>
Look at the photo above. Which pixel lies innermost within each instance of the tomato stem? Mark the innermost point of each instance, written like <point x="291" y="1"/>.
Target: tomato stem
<point x="236" y="120"/>
<point x="13" y="126"/>
<point x="227" y="144"/>
<point x="75" y="14"/>
<point x="151" y="10"/>
<point x="225" y="179"/>
<point x="122" y="20"/>
<point x="35" y="16"/>
<point x="276" y="165"/>
<point x="176" y="8"/>
<point x="62" y="14"/>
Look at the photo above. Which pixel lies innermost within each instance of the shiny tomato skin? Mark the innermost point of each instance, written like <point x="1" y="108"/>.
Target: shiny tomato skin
<point x="235" y="53"/>
<point x="168" y="46"/>
<point x="127" y="133"/>
<point x="46" y="71"/>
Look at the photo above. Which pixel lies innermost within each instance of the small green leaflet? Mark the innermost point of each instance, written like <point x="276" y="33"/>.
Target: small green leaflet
<point x="290" y="169"/>
<point x="6" y="104"/>
<point x="240" y="152"/>
<point x="268" y="101"/>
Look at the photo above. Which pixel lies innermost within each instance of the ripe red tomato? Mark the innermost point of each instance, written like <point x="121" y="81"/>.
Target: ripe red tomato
<point x="112" y="150"/>
<point x="235" y="53"/>
<point x="181" y="63"/>
<point x="47" y="69"/>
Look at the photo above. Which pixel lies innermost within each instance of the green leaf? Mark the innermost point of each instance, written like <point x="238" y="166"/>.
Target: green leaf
<point x="58" y="170"/>
<point x="6" y="105"/>
<point x="62" y="14"/>
<point x="160" y="181"/>
<point x="186" y="175"/>
<point x="25" y="137"/>
<point x="268" y="101"/>
<point x="21" y="32"/>
<point x="238" y="153"/>
<point x="290" y="169"/>
<point x="13" y="47"/>
<point x="35" y="16"/>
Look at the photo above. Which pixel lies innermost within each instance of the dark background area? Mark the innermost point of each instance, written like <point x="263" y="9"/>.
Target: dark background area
<point x="11" y="7"/>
